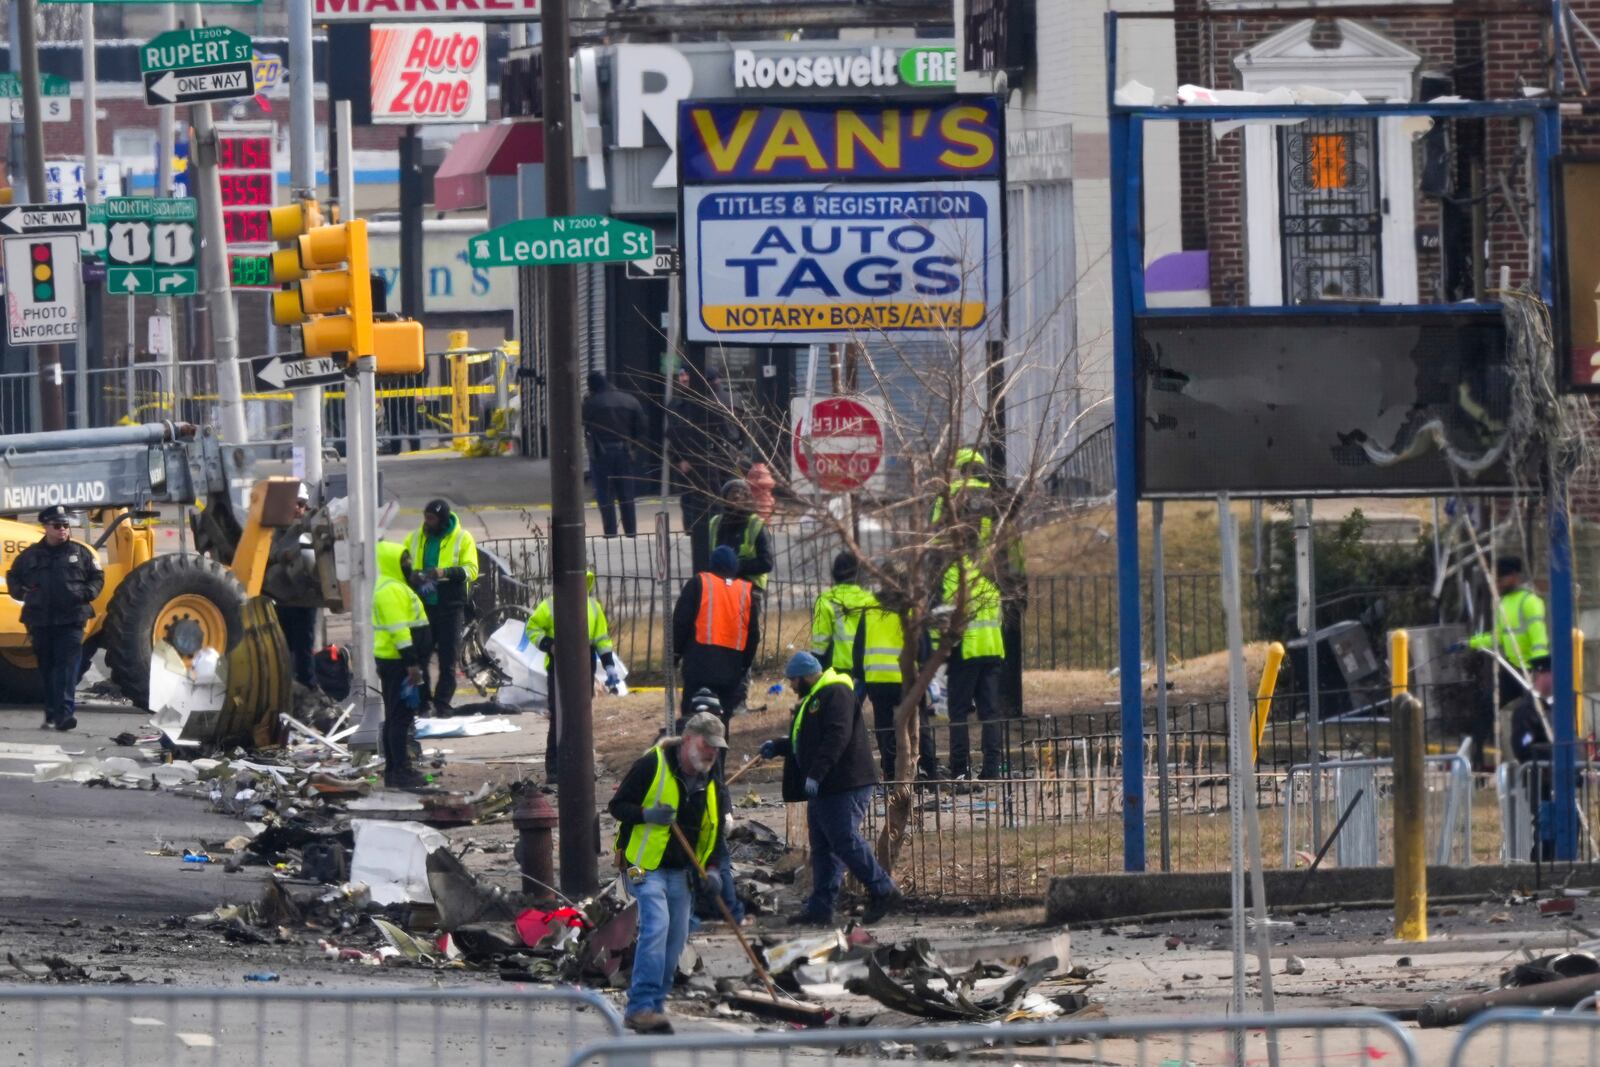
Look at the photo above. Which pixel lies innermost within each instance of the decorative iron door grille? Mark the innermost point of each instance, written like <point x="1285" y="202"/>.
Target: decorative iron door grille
<point x="1330" y="210"/>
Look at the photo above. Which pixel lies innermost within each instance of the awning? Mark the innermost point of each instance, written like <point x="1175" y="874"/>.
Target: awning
<point x="462" y="181"/>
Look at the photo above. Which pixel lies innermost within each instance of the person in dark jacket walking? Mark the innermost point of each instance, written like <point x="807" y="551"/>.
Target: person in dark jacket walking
<point x="57" y="580"/>
<point x="295" y="590"/>
<point x="827" y="762"/>
<point x="715" y="633"/>
<point x="614" y="424"/>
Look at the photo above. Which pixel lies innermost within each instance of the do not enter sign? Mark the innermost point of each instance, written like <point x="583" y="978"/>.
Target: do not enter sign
<point x="843" y="451"/>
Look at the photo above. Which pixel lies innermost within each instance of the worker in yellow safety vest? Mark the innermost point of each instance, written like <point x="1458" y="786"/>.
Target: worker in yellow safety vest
<point x="399" y="626"/>
<point x="876" y="663"/>
<point x="540" y="632"/>
<point x="445" y="561"/>
<point x="974" y="666"/>
<point x="837" y="614"/>
<point x="1524" y="636"/>
<point x="969" y="488"/>
<point x="672" y="784"/>
<point x="740" y="528"/>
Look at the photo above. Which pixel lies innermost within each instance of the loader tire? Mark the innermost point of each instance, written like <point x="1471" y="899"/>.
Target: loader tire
<point x="19" y="678"/>
<point x="189" y="601"/>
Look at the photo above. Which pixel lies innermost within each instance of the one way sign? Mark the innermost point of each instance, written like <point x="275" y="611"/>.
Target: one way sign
<point x="223" y="81"/>
<point x="301" y="373"/>
<point x="32" y="219"/>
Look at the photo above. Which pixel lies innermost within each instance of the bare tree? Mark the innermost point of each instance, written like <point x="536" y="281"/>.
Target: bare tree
<point x="942" y="397"/>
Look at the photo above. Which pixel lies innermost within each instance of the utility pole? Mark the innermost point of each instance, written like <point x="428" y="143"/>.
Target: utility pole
<point x="303" y="181"/>
<point x="52" y="402"/>
<point x="165" y="149"/>
<point x="214" y="265"/>
<point x="92" y="308"/>
<point x="580" y="827"/>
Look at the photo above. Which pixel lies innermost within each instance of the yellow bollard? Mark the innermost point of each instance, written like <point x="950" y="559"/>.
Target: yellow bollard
<point x="460" y="399"/>
<point x="1577" y="686"/>
<point x="1406" y="747"/>
<point x="1269" y="686"/>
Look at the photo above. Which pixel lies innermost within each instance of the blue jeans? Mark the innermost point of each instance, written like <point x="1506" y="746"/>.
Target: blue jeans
<point x="665" y="901"/>
<point x="834" y="821"/>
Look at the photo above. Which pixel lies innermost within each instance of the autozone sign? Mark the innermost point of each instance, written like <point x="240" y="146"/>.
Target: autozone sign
<point x="420" y="10"/>
<point x="429" y="73"/>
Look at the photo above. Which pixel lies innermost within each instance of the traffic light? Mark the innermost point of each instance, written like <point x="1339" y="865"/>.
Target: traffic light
<point x="44" y="271"/>
<point x="287" y="223"/>
<point x="332" y="301"/>
<point x="398" y="346"/>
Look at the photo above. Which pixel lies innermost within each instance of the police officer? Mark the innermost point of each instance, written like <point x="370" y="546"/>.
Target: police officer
<point x="444" y="558"/>
<point x="57" y="580"/>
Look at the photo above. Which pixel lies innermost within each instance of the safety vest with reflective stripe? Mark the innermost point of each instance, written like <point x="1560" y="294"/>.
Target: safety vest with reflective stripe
<point x="829" y="677"/>
<point x="1523" y="634"/>
<point x="884" y="638"/>
<point x="458" y="549"/>
<point x="723" y="620"/>
<point x="834" y="620"/>
<point x="542" y="624"/>
<point x="982" y="635"/>
<point x="395" y="611"/>
<point x="647" y="843"/>
<point x="747" y="545"/>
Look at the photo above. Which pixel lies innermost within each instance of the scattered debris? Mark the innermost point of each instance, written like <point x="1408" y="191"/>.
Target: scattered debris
<point x="1294" y="965"/>
<point x="926" y="989"/>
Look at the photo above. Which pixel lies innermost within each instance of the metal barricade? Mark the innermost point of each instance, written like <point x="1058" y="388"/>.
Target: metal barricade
<point x="261" y="1025"/>
<point x="1358" y="791"/>
<point x="1511" y="1037"/>
<point x="1312" y="1038"/>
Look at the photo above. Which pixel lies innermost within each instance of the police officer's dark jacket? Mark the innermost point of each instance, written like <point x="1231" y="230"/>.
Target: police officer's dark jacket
<point x="57" y="584"/>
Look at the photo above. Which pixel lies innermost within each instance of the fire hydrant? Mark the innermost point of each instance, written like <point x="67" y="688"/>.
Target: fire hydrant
<point x="535" y="819"/>
<point x="761" y="486"/>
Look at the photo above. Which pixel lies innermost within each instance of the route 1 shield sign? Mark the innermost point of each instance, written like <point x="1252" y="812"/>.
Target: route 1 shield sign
<point x="42" y="289"/>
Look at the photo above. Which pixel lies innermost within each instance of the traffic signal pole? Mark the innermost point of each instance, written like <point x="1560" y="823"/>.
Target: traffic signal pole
<point x="580" y="827"/>
<point x="303" y="180"/>
<point x="52" y="399"/>
<point x="214" y="264"/>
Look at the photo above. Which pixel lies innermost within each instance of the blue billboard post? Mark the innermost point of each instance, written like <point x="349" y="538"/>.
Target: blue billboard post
<point x="1130" y="311"/>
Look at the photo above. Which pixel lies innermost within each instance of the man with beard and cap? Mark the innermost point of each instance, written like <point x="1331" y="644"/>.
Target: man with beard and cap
<point x="444" y="561"/>
<point x="57" y="580"/>
<point x="827" y="762"/>
<point x="673" y="783"/>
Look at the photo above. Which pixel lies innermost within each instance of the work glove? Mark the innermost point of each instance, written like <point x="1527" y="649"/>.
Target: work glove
<point x="660" y="815"/>
<point x="713" y="881"/>
<point x="1456" y="646"/>
<point x="811" y="788"/>
<point x="431" y="574"/>
<point x="613" y="681"/>
<point x="769" y="749"/>
<point x="546" y="644"/>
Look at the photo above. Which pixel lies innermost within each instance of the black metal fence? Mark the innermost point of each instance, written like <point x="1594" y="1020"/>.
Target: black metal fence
<point x="1070" y="622"/>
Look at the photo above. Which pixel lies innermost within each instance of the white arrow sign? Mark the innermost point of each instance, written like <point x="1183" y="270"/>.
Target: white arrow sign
<point x="130" y="283"/>
<point x="301" y="373"/>
<point x="220" y="82"/>
<point x="44" y="218"/>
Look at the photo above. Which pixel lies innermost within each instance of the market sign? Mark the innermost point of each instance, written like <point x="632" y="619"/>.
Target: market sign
<point x="836" y="222"/>
<point x="434" y="72"/>
<point x="425" y="10"/>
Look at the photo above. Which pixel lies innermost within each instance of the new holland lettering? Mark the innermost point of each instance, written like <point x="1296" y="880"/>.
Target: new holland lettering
<point x="46" y="494"/>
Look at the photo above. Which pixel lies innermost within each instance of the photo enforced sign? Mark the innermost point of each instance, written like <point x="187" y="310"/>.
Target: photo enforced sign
<point x="823" y="223"/>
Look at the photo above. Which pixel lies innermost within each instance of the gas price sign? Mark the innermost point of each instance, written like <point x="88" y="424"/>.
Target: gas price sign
<point x="249" y="189"/>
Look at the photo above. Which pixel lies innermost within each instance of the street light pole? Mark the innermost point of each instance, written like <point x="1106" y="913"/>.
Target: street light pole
<point x="52" y="401"/>
<point x="574" y="729"/>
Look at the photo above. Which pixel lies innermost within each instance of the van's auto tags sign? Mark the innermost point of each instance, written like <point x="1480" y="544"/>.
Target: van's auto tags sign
<point x="833" y="222"/>
<point x="433" y="72"/>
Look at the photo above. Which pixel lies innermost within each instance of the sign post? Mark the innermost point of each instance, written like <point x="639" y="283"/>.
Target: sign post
<point x="194" y="66"/>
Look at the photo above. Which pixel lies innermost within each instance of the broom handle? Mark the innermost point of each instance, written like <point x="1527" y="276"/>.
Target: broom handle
<point x="740" y="773"/>
<point x="766" y="979"/>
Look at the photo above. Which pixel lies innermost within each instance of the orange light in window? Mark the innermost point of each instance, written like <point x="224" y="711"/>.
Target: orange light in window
<point x="1330" y="161"/>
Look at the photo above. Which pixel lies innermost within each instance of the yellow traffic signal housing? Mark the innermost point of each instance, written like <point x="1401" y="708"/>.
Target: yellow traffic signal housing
<point x="341" y="297"/>
<point x="288" y="223"/>
<point x="398" y="347"/>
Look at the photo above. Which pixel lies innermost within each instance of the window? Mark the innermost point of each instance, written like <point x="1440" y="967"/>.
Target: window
<point x="136" y="143"/>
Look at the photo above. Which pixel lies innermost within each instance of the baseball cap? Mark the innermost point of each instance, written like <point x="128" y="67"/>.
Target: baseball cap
<point x="708" y="727"/>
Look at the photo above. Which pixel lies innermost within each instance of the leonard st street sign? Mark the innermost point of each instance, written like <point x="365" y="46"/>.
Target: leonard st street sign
<point x="571" y="239"/>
